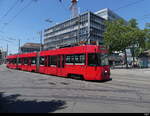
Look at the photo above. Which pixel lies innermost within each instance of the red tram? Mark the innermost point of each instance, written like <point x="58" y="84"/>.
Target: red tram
<point x="87" y="62"/>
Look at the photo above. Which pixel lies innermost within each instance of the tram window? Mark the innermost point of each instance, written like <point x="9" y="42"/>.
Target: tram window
<point x="75" y="59"/>
<point x="22" y="61"/>
<point x="11" y="61"/>
<point x="7" y="61"/>
<point x="42" y="60"/>
<point x="14" y="61"/>
<point x="52" y="60"/>
<point x="19" y="61"/>
<point x="63" y="61"/>
<point x="49" y="60"/>
<point x="33" y="60"/>
<point x="92" y="59"/>
<point x="46" y="61"/>
<point x="79" y="59"/>
<point x="70" y="59"/>
<point x="82" y="58"/>
<point x="26" y="61"/>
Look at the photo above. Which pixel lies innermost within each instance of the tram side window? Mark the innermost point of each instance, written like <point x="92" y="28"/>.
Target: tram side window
<point x="7" y="61"/>
<point x="52" y="61"/>
<point x="92" y="59"/>
<point x="19" y="61"/>
<point x="14" y="61"/>
<point x="70" y="59"/>
<point x="67" y="59"/>
<point x="26" y="61"/>
<point x="49" y="60"/>
<point x="33" y="60"/>
<point x="42" y="60"/>
<point x="75" y="59"/>
<point x="22" y="61"/>
<point x="10" y="61"/>
<point x="79" y="59"/>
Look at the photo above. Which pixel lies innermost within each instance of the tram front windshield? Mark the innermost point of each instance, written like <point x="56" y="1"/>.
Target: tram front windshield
<point x="103" y="59"/>
<point x="100" y="59"/>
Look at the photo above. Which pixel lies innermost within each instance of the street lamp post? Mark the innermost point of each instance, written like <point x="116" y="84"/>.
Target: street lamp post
<point x="19" y="46"/>
<point x="41" y="41"/>
<point x="7" y="50"/>
<point x="41" y="46"/>
<point x="41" y="35"/>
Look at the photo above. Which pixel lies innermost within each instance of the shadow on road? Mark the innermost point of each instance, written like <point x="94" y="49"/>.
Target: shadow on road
<point x="103" y="81"/>
<point x="10" y="104"/>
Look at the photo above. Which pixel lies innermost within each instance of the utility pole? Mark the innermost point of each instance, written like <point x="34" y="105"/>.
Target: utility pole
<point x="7" y="50"/>
<point x="41" y="46"/>
<point x="41" y="39"/>
<point x="19" y="46"/>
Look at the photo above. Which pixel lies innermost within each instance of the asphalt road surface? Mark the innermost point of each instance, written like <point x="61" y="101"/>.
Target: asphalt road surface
<point x="25" y="92"/>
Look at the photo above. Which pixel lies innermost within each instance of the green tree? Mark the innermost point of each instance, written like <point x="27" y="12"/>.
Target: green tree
<point x="114" y="37"/>
<point x="147" y="30"/>
<point x="133" y="23"/>
<point x="120" y="35"/>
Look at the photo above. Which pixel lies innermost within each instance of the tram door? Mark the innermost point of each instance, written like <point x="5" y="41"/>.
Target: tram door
<point x="60" y="65"/>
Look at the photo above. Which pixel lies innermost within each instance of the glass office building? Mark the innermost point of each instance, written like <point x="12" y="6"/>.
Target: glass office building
<point x="87" y="28"/>
<point x="108" y="14"/>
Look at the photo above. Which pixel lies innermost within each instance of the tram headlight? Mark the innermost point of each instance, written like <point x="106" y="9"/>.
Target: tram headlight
<point x="105" y="71"/>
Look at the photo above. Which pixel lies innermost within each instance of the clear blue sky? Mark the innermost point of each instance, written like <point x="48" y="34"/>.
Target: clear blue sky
<point x="32" y="19"/>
